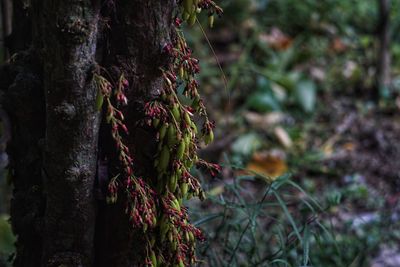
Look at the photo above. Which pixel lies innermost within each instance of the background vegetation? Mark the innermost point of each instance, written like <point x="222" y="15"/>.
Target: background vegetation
<point x="309" y="145"/>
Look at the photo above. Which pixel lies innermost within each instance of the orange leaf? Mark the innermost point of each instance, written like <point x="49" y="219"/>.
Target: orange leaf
<point x="267" y="165"/>
<point x="277" y="39"/>
<point x="338" y="46"/>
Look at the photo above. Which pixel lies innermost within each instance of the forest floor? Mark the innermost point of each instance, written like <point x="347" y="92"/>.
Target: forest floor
<point x="364" y="150"/>
<point x="348" y="153"/>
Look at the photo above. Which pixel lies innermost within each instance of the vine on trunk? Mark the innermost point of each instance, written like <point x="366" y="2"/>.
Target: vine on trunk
<point x="155" y="204"/>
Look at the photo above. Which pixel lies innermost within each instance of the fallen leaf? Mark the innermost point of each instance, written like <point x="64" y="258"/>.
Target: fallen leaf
<point x="349" y="146"/>
<point x="264" y="121"/>
<point x="267" y="165"/>
<point x="306" y="93"/>
<point x="318" y="73"/>
<point x="327" y="149"/>
<point x="277" y="39"/>
<point x="283" y="137"/>
<point x="338" y="45"/>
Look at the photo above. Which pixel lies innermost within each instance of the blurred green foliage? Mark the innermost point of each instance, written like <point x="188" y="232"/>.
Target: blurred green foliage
<point x="331" y="46"/>
<point x="7" y="240"/>
<point x="292" y="58"/>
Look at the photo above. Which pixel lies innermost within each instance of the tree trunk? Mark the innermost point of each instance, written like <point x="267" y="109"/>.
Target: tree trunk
<point x="72" y="123"/>
<point x="55" y="152"/>
<point x="136" y="44"/>
<point x="24" y="102"/>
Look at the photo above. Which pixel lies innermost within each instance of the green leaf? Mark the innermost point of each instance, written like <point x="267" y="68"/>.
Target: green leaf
<point x="306" y="245"/>
<point x="263" y="84"/>
<point x="246" y="144"/>
<point x="306" y="92"/>
<point x="263" y="102"/>
<point x="315" y="202"/>
<point x="288" y="215"/>
<point x="7" y="238"/>
<point x="99" y="100"/>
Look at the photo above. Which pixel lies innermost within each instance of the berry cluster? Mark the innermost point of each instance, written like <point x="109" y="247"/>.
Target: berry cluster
<point x="178" y="141"/>
<point x="155" y="204"/>
<point x="190" y="9"/>
<point x="140" y="205"/>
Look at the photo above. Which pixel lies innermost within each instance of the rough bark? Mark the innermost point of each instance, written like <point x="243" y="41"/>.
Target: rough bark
<point x="384" y="59"/>
<point x="23" y="100"/>
<point x="140" y="30"/>
<point x="70" y="35"/>
<point x="50" y="99"/>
